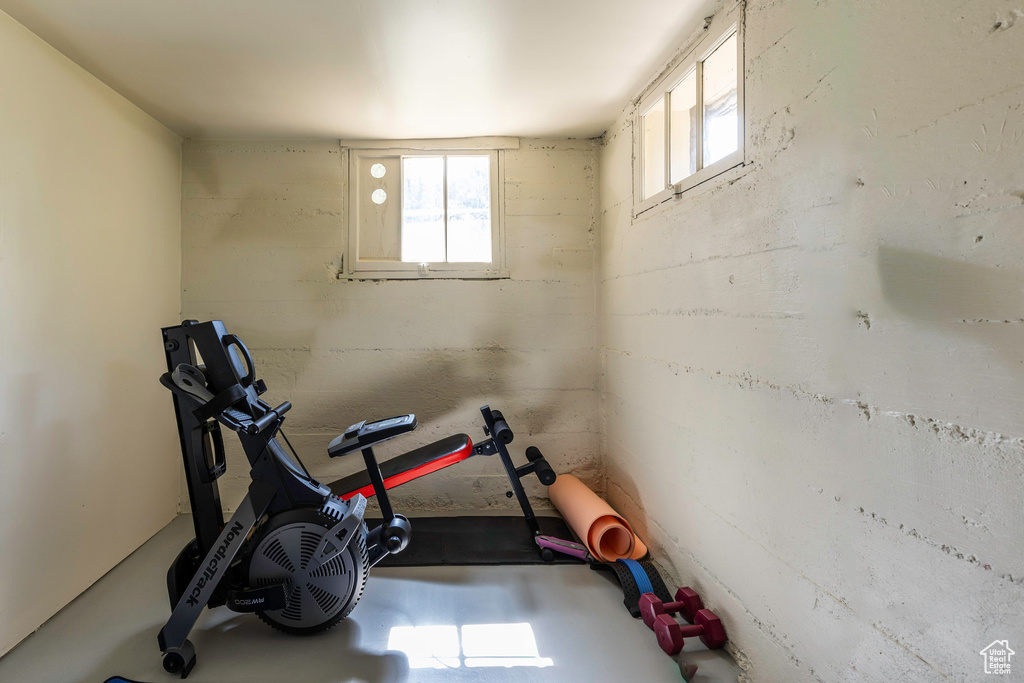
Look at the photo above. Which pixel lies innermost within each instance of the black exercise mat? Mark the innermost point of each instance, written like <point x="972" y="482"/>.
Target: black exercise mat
<point x="476" y="541"/>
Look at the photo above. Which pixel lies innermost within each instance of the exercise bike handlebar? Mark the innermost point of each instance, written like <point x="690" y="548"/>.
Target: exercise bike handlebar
<point x="268" y="418"/>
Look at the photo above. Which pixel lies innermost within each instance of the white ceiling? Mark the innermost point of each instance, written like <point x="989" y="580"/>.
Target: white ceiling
<point x="369" y="68"/>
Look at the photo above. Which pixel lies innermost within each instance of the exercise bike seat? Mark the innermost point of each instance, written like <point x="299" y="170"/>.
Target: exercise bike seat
<point x="408" y="466"/>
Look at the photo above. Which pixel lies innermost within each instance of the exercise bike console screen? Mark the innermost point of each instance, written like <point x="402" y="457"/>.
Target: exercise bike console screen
<point x="385" y="429"/>
<point x="363" y="434"/>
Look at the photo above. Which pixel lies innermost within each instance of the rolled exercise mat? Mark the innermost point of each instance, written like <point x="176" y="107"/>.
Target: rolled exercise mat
<point x="606" y="534"/>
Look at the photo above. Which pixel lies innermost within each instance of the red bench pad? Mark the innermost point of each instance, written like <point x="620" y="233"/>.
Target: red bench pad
<point x="408" y="466"/>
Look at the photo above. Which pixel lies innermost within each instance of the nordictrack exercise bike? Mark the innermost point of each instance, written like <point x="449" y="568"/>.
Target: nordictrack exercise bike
<point x="296" y="552"/>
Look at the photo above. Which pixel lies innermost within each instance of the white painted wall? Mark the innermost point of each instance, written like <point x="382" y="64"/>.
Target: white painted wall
<point x="813" y="367"/>
<point x="263" y="233"/>
<point x="89" y="271"/>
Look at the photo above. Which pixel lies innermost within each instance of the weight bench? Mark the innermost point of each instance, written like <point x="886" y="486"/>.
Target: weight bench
<point x="403" y="468"/>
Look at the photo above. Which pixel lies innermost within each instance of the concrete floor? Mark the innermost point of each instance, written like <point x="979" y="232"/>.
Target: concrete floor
<point x="550" y="623"/>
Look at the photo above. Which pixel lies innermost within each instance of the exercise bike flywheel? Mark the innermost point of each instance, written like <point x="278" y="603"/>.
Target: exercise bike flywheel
<point x="318" y="596"/>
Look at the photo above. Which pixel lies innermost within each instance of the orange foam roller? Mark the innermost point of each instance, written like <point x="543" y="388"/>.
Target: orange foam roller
<point x="606" y="534"/>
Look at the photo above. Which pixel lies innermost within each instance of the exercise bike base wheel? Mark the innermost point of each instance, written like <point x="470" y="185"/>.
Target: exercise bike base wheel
<point x="180" y="661"/>
<point x="318" y="596"/>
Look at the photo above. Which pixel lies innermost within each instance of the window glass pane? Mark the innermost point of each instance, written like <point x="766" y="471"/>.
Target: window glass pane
<point x="469" y="209"/>
<point x="721" y="125"/>
<point x="423" y="209"/>
<point x="654" y="148"/>
<point x="683" y="146"/>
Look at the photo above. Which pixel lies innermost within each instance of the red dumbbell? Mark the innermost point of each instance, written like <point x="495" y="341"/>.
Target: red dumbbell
<point x="687" y="603"/>
<point x="706" y="624"/>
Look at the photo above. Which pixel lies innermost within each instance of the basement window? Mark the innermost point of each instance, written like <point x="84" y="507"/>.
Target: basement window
<point x="690" y="123"/>
<point x="424" y="213"/>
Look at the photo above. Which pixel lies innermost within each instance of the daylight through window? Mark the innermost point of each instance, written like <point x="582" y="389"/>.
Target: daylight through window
<point x="690" y="123"/>
<point x="446" y="209"/>
<point x="421" y="213"/>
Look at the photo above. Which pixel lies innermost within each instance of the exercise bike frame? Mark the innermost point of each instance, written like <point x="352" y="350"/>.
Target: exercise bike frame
<point x="279" y="483"/>
<point x="201" y="576"/>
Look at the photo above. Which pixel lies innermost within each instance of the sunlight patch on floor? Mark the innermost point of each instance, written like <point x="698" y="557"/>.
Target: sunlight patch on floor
<point x="480" y="645"/>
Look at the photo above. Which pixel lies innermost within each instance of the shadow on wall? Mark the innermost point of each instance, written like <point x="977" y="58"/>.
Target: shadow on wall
<point x="433" y="388"/>
<point x="442" y="381"/>
<point x="971" y="300"/>
<point x="438" y="384"/>
<point x="939" y="289"/>
<point x="625" y="497"/>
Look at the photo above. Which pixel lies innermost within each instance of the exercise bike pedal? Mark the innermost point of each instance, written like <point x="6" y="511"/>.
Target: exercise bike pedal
<point x="180" y="660"/>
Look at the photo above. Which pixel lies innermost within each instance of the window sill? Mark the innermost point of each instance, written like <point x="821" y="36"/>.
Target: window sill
<point x="707" y="173"/>
<point x="452" y="274"/>
<point x="691" y="187"/>
<point x="702" y="176"/>
<point x="653" y="201"/>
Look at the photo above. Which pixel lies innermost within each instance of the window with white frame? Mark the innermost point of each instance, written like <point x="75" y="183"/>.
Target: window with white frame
<point x="417" y="213"/>
<point x="690" y="123"/>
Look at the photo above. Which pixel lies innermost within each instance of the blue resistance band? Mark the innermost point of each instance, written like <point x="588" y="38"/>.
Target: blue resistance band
<point x="643" y="583"/>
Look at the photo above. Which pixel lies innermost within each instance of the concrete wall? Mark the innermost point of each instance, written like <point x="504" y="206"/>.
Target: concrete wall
<point x="813" y="366"/>
<point x="89" y="271"/>
<point x="263" y="233"/>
